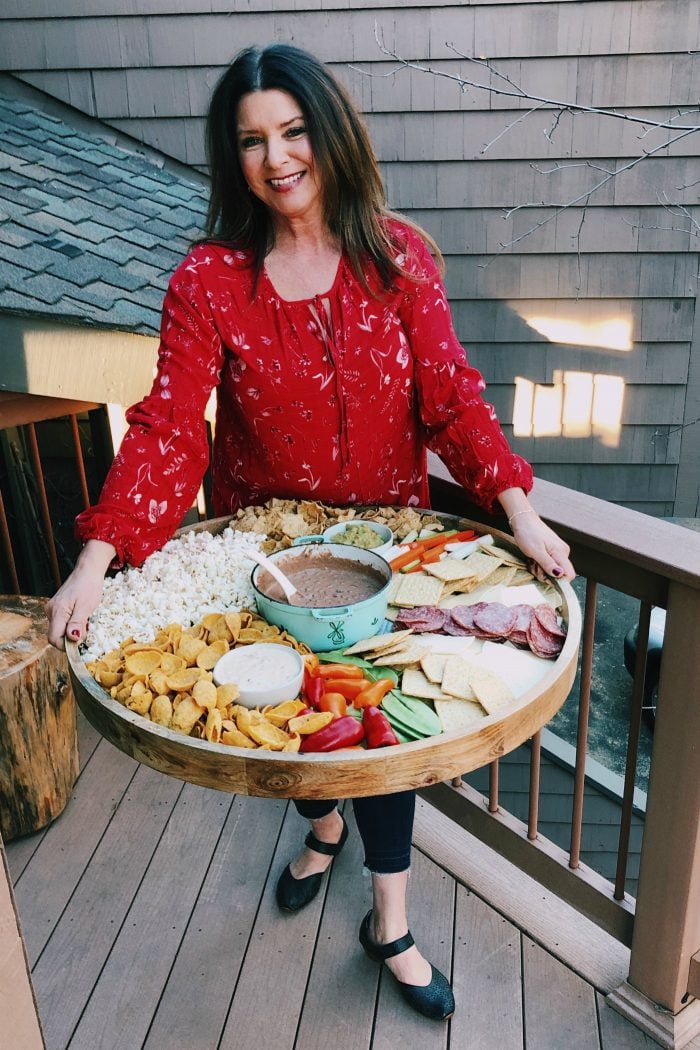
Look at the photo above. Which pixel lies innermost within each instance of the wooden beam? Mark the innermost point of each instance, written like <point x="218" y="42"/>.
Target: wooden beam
<point x="18" y="1008"/>
<point x="18" y="409"/>
<point x="667" y="925"/>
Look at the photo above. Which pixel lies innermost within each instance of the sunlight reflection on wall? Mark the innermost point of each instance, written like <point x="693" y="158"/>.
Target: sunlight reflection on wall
<point x="575" y="405"/>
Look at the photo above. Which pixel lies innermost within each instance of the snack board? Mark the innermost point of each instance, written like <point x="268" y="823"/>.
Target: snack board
<point x="488" y="720"/>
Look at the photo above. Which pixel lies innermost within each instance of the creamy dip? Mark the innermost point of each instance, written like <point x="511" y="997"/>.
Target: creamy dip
<point x="262" y="665"/>
<point x="324" y="581"/>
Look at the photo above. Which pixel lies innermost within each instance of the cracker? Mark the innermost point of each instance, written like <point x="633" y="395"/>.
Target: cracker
<point x="505" y="556"/>
<point x="452" y="569"/>
<point x="456" y="678"/>
<point x="414" y="683"/>
<point x="432" y="666"/>
<point x="503" y="575"/>
<point x="521" y="577"/>
<point x="378" y="642"/>
<point x="403" y="657"/>
<point x="458" y="714"/>
<point x="490" y="689"/>
<point x="417" y="589"/>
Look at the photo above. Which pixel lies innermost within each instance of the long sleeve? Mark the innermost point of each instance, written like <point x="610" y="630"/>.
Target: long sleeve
<point x="159" y="466"/>
<point x="460" y="427"/>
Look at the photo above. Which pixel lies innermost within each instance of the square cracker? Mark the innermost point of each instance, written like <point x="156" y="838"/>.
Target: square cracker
<point x="504" y="556"/>
<point x="378" y="642"/>
<point x="458" y="714"/>
<point x="490" y="689"/>
<point x="456" y="678"/>
<point x="418" y="589"/>
<point x="432" y="666"/>
<point x="402" y="657"/>
<point x="414" y="683"/>
<point x="450" y="569"/>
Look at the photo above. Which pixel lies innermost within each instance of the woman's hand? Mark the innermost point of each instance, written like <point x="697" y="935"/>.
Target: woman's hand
<point x="548" y="552"/>
<point x="79" y="596"/>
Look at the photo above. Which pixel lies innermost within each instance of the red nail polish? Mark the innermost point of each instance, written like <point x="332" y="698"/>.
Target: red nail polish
<point x="75" y="634"/>
<point x="556" y="571"/>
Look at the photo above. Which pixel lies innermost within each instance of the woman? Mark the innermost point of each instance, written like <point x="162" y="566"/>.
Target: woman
<point x="322" y="321"/>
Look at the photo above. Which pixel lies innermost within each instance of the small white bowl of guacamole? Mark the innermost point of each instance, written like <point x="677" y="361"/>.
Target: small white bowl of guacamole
<point x="367" y="535"/>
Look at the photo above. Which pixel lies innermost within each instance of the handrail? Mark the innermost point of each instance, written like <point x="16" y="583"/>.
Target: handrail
<point x="659" y="563"/>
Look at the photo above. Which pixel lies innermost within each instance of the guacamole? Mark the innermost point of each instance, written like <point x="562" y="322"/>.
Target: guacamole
<point x="359" y="536"/>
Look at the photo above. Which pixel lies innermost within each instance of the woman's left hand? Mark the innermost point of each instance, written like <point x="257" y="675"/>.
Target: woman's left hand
<point x="548" y="552"/>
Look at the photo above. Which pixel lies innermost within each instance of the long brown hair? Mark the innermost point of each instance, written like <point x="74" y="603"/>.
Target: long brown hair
<point x="353" y="194"/>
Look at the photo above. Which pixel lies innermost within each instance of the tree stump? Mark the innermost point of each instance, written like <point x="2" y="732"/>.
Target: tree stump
<point x="38" y="731"/>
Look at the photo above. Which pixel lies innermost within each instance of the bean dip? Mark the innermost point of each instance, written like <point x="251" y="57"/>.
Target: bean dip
<point x="324" y="581"/>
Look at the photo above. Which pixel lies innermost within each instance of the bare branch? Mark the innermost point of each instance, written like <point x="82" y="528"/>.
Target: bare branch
<point x="516" y="91"/>
<point x="508" y="127"/>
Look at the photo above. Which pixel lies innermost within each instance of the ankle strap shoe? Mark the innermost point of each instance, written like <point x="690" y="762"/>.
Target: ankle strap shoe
<point x="434" y="1000"/>
<point x="293" y="894"/>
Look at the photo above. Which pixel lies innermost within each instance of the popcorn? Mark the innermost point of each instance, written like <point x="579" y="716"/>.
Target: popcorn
<point x="193" y="575"/>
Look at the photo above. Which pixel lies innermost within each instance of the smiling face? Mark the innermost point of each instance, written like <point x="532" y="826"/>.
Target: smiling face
<point x="276" y="156"/>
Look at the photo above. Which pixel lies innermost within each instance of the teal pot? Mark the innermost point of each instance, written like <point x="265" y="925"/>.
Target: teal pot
<point x="336" y="626"/>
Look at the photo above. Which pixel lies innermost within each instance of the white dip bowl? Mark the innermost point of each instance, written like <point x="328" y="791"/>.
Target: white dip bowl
<point x="265" y="673"/>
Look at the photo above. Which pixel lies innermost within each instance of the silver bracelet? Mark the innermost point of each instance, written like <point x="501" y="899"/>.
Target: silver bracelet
<point x="512" y="518"/>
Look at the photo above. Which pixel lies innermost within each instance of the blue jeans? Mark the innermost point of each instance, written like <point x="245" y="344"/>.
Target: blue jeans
<point x="385" y="823"/>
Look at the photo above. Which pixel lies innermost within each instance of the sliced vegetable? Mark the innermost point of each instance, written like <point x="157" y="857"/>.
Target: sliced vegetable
<point x="343" y="732"/>
<point x="373" y="695"/>
<point x="378" y="731"/>
<point x="402" y="560"/>
<point x="333" y="702"/>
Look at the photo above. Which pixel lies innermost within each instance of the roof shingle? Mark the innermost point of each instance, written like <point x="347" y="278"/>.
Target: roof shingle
<point x="89" y="232"/>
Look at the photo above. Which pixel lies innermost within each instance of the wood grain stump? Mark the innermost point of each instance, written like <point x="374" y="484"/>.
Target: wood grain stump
<point x="38" y="731"/>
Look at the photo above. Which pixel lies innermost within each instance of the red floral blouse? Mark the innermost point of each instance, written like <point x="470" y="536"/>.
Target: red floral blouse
<point x="340" y="410"/>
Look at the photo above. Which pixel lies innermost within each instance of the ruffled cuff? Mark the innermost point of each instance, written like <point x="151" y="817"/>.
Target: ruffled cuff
<point x="132" y="548"/>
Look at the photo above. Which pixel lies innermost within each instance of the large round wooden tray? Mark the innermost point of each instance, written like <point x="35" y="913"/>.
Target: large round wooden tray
<point x="345" y="774"/>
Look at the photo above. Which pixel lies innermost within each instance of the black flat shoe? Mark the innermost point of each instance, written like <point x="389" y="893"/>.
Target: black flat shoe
<point x="293" y="894"/>
<point x="434" y="1000"/>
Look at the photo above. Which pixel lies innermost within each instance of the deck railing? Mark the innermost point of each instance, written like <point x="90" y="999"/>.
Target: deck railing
<point x="658" y="563"/>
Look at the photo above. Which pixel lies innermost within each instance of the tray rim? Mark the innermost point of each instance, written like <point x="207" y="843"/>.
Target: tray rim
<point x="285" y="772"/>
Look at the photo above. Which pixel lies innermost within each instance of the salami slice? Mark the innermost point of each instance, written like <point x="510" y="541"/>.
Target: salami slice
<point x="541" y="641"/>
<point x="463" y="615"/>
<point x="548" y="619"/>
<point x="452" y="627"/>
<point x="422" y="618"/>
<point x="495" y="620"/>
<point x="518" y="633"/>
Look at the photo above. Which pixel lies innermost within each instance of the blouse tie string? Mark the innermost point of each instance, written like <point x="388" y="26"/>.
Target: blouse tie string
<point x="319" y="311"/>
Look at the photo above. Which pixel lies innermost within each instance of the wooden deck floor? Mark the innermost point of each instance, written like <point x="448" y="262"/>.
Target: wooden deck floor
<point x="150" y="922"/>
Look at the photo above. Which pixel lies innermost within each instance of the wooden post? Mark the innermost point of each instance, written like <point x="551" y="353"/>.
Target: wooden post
<point x="18" y="1011"/>
<point x="38" y="733"/>
<point x="667" y="922"/>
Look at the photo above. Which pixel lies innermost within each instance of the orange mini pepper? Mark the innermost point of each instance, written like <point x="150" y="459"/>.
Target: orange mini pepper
<point x="373" y="695"/>
<point x="340" y="671"/>
<point x="349" y="687"/>
<point x="333" y="702"/>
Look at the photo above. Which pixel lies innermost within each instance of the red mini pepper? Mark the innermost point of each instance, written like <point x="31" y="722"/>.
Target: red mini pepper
<point x="343" y="732"/>
<point x="314" y="688"/>
<point x="378" y="731"/>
